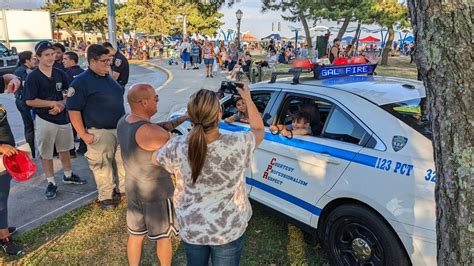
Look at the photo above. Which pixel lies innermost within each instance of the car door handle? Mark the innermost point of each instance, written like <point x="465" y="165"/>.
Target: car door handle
<point x="327" y="158"/>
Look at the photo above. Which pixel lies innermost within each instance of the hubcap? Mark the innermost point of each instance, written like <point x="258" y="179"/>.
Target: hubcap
<point x="361" y="249"/>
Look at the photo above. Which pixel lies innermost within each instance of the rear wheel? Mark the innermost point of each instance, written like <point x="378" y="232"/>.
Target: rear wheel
<point x="355" y="235"/>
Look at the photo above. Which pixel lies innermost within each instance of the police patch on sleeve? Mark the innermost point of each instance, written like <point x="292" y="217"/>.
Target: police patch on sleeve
<point x="71" y="92"/>
<point x="398" y="142"/>
<point x="118" y="62"/>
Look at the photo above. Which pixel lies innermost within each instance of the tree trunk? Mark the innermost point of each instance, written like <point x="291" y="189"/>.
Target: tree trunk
<point x="307" y="33"/>
<point x="444" y="57"/>
<point x="356" y="35"/>
<point x="344" y="27"/>
<point x="388" y="46"/>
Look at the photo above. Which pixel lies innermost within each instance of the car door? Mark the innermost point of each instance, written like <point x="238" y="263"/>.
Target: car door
<point x="291" y="174"/>
<point x="263" y="99"/>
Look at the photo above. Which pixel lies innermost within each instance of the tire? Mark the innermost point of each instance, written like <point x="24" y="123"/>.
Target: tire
<point x="356" y="235"/>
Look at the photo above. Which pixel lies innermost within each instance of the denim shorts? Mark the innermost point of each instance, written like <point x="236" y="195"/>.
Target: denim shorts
<point x="220" y="255"/>
<point x="208" y="61"/>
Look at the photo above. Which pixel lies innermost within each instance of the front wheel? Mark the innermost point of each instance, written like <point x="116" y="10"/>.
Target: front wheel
<point x="355" y="235"/>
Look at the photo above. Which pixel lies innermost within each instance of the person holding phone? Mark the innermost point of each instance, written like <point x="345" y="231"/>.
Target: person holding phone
<point x="210" y="200"/>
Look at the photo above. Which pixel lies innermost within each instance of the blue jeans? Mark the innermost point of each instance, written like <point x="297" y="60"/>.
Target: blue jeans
<point x="221" y="255"/>
<point x="4" y="192"/>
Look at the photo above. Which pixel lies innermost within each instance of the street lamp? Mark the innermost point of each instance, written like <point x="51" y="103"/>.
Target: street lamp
<point x="238" y="14"/>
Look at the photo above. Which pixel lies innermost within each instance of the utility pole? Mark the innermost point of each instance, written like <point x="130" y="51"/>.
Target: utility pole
<point x="111" y="22"/>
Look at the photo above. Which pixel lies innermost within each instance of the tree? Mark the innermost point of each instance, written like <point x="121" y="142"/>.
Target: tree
<point x="444" y="57"/>
<point x="387" y="13"/>
<point x="299" y="11"/>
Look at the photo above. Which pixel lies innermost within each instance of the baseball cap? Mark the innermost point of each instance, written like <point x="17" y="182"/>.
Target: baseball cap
<point x="20" y="166"/>
<point x="43" y="45"/>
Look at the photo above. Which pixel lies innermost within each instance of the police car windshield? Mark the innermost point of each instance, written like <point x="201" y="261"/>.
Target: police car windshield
<point x="413" y="113"/>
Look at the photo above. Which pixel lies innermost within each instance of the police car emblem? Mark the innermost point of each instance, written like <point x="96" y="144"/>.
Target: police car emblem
<point x="118" y="62"/>
<point x="398" y="142"/>
<point x="59" y="86"/>
<point x="70" y="92"/>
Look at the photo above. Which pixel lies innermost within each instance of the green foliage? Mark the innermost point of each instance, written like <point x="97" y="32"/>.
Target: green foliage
<point x="148" y="16"/>
<point x="386" y="12"/>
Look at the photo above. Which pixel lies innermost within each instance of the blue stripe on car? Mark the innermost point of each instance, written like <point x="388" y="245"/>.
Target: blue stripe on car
<point x="310" y="146"/>
<point x="285" y="196"/>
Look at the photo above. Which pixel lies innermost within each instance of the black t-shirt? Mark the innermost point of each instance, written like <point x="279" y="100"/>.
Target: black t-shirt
<point x="39" y="86"/>
<point x="120" y="65"/>
<point x="6" y="135"/>
<point x="59" y="65"/>
<point x="98" y="98"/>
<point x="73" y="72"/>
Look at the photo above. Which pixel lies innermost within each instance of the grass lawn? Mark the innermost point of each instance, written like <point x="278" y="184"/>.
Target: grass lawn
<point x="89" y="235"/>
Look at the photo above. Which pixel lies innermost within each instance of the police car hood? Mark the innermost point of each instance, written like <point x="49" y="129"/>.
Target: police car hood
<point x="379" y="90"/>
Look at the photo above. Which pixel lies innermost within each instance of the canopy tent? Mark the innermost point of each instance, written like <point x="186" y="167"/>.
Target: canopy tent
<point x="249" y="38"/>
<point x="300" y="38"/>
<point x="409" y="39"/>
<point x="369" y="39"/>
<point x="347" y="38"/>
<point x="275" y="36"/>
<point x="176" y="38"/>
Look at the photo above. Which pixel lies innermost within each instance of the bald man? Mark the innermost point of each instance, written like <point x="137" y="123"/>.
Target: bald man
<point x="149" y="188"/>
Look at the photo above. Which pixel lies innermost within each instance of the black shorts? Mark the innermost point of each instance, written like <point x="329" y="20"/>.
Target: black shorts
<point x="156" y="219"/>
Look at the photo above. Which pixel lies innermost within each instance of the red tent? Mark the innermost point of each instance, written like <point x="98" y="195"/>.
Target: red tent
<point x="369" y="39"/>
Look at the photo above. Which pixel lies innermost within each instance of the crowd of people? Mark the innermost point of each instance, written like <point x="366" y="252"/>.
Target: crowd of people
<point x="132" y="158"/>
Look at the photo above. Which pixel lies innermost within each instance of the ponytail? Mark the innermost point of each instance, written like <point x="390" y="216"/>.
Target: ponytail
<point x="197" y="150"/>
<point x="204" y="111"/>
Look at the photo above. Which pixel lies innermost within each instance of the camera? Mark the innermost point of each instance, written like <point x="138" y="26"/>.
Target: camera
<point x="229" y="87"/>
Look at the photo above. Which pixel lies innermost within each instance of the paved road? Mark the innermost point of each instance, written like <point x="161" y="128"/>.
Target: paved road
<point x="27" y="206"/>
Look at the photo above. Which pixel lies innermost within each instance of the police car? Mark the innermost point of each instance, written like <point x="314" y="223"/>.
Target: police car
<point x="365" y="179"/>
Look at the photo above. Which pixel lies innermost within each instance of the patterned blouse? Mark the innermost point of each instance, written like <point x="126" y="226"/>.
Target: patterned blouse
<point x="215" y="210"/>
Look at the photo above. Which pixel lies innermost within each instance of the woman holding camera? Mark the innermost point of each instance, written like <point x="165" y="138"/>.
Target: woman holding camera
<point x="210" y="198"/>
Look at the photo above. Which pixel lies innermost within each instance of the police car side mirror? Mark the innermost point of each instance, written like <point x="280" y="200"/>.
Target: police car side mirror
<point x="14" y="51"/>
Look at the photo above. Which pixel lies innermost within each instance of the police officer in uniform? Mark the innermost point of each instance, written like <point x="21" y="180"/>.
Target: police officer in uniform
<point x="58" y="56"/>
<point x="26" y="65"/>
<point x="120" y="67"/>
<point x="70" y="60"/>
<point x="44" y="89"/>
<point x="95" y="105"/>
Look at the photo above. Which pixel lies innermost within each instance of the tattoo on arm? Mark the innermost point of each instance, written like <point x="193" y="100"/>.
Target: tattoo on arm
<point x="171" y="125"/>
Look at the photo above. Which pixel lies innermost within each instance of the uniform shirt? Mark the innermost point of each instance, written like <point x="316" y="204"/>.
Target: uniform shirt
<point x="21" y="72"/>
<point x="39" y="86"/>
<point x="73" y="72"/>
<point x="6" y="135"/>
<point x="120" y="65"/>
<point x="215" y="210"/>
<point x="59" y="65"/>
<point x="98" y="98"/>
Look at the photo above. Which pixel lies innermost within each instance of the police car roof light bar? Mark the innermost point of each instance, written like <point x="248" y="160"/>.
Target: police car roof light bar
<point x="327" y="71"/>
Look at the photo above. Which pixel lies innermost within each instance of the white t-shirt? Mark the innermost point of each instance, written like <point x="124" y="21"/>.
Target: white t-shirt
<point x="215" y="210"/>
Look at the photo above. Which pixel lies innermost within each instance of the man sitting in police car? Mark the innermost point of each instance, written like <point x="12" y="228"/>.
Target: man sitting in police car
<point x="44" y="89"/>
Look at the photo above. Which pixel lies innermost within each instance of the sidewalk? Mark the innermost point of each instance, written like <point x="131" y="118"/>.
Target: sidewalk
<point x="184" y="83"/>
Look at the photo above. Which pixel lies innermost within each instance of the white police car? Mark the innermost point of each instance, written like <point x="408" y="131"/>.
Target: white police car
<point x="365" y="178"/>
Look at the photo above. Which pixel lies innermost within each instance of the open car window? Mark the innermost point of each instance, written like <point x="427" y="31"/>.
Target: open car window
<point x="260" y="98"/>
<point x="317" y="109"/>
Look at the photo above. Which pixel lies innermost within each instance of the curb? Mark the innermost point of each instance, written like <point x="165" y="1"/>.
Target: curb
<point x="167" y="71"/>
